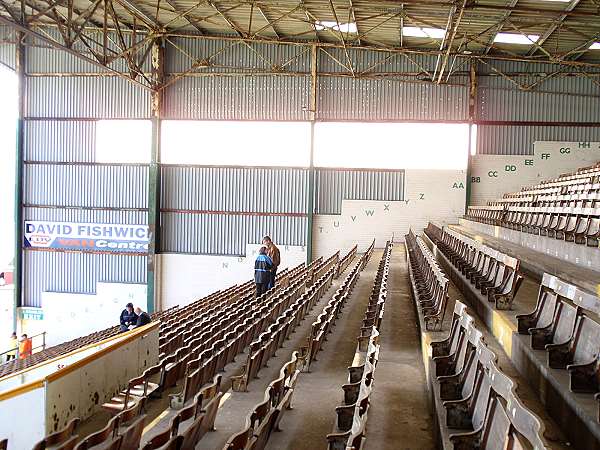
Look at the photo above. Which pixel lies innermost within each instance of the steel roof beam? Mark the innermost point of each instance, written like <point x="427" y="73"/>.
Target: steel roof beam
<point x="544" y="37"/>
<point x="184" y="15"/>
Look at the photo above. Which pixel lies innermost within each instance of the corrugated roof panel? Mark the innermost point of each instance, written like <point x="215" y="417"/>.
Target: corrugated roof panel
<point x="569" y="99"/>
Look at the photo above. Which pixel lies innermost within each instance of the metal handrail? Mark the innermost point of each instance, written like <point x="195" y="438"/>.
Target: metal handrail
<point x="33" y="348"/>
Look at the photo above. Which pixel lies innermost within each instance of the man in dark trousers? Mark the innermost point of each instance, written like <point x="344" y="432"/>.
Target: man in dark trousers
<point x="273" y="253"/>
<point x="262" y="271"/>
<point x="143" y="317"/>
<point x="128" y="317"/>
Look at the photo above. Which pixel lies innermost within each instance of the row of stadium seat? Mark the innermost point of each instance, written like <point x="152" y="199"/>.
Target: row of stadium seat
<point x="351" y="417"/>
<point x="428" y="282"/>
<point x="564" y="325"/>
<point x="209" y="320"/>
<point x="495" y="274"/>
<point x="565" y="208"/>
<point x="264" y="418"/>
<point x="476" y="403"/>
<point x="326" y="320"/>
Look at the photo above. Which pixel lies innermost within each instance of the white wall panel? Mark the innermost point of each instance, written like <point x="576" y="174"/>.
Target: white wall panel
<point x="28" y="410"/>
<point x="430" y="195"/>
<point x="185" y="278"/>
<point x="494" y="175"/>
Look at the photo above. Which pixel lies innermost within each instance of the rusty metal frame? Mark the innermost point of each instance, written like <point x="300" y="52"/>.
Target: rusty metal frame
<point x="103" y="36"/>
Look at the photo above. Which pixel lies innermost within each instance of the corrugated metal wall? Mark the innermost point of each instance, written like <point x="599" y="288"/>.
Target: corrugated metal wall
<point x="63" y="182"/>
<point x="227" y="234"/>
<point x="380" y="98"/>
<point x="237" y="97"/>
<point x="518" y="140"/>
<point x="218" y="210"/>
<point x="558" y="99"/>
<point x="334" y="185"/>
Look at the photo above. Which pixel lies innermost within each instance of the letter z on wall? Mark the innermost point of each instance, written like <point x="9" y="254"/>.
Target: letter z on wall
<point x="106" y="237"/>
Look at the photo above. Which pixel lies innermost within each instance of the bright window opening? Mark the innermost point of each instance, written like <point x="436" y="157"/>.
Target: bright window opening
<point x="235" y="143"/>
<point x="473" y="140"/>
<point x="432" y="33"/>
<point x="595" y="46"/>
<point x="123" y="141"/>
<point x="391" y="145"/>
<point x="511" y="38"/>
<point x="343" y="27"/>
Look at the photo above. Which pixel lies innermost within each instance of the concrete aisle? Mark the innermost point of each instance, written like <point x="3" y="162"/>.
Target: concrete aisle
<point x="399" y="416"/>
<point x="306" y="426"/>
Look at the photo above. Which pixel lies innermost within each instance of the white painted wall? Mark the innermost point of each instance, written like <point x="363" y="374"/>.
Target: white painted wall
<point x="430" y="195"/>
<point x="72" y="393"/>
<point x="6" y="315"/>
<point x="185" y="278"/>
<point x="22" y="419"/>
<point x="494" y="175"/>
<point x="81" y="392"/>
<point x="67" y="316"/>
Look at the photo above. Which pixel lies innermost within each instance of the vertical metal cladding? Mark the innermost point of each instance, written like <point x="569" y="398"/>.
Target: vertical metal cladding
<point x="568" y="99"/>
<point x="44" y="59"/>
<point x="332" y="186"/>
<point x="234" y="56"/>
<point x="60" y="141"/>
<point x="86" y="97"/>
<point x="367" y="99"/>
<point x="8" y="39"/>
<point x="518" y="140"/>
<point x="77" y="272"/>
<point x="272" y="190"/>
<point x="238" y="98"/>
<point x="227" y="234"/>
<point x="229" y="207"/>
<point x="86" y="215"/>
<point x="106" y="186"/>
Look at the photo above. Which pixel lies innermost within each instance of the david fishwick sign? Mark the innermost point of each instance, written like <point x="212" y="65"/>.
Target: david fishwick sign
<point x="108" y="237"/>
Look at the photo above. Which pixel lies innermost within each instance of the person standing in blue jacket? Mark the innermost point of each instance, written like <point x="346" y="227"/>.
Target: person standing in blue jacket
<point x="262" y="271"/>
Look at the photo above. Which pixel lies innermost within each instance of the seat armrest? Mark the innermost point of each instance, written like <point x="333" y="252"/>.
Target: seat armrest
<point x="558" y="355"/>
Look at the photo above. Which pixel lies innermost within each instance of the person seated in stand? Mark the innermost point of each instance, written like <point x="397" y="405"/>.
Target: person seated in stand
<point x="143" y="318"/>
<point x="128" y="317"/>
<point x="262" y="271"/>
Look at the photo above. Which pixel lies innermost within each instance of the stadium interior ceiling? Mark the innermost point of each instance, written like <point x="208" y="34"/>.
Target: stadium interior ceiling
<point x="127" y="37"/>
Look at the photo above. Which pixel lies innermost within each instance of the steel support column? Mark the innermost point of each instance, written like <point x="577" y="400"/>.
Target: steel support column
<point x="158" y="56"/>
<point x="472" y="119"/>
<point x="19" y="169"/>
<point x="311" y="168"/>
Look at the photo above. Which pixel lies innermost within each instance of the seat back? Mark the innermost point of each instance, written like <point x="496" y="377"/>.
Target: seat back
<point x="564" y="323"/>
<point x="59" y="437"/>
<point x="99" y="437"/>
<point x="132" y="435"/>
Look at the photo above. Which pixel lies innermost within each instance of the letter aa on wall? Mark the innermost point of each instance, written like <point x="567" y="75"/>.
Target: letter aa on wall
<point x="430" y="195"/>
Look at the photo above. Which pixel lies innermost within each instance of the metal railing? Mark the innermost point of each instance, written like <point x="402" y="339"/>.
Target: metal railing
<point x="42" y="345"/>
